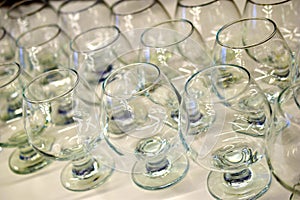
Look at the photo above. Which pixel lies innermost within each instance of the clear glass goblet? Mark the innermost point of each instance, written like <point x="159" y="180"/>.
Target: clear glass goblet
<point x="285" y="13"/>
<point x="43" y="48"/>
<point x="257" y="45"/>
<point x="24" y="159"/>
<point x="27" y="14"/>
<point x="283" y="141"/>
<point x="94" y="51"/>
<point x="215" y="98"/>
<point x="176" y="47"/>
<point x="7" y="47"/>
<point x="208" y="16"/>
<point x="134" y="14"/>
<point x="137" y="102"/>
<point x="61" y="123"/>
<point x="76" y="17"/>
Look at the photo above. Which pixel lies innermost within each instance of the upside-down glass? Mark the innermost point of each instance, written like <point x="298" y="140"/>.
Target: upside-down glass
<point x="217" y="98"/>
<point x="136" y="116"/>
<point x="257" y="45"/>
<point x="76" y="17"/>
<point x="43" y="48"/>
<point x="134" y="14"/>
<point x="27" y="14"/>
<point x="208" y="16"/>
<point x="176" y="47"/>
<point x="94" y="51"/>
<point x="24" y="159"/>
<point x="283" y="141"/>
<point x="8" y="47"/>
<point x="61" y="124"/>
<point x="285" y="13"/>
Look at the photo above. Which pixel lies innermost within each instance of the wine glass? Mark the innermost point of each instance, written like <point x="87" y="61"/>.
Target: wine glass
<point x="94" y="51"/>
<point x="284" y="13"/>
<point x="134" y="14"/>
<point x="215" y="98"/>
<point x="208" y="16"/>
<point x="8" y="47"/>
<point x="176" y="47"/>
<point x="136" y="116"/>
<point x="282" y="142"/>
<point x="60" y="121"/>
<point x="27" y="14"/>
<point x="24" y="159"/>
<point x="76" y="17"/>
<point x="43" y="48"/>
<point x="257" y="45"/>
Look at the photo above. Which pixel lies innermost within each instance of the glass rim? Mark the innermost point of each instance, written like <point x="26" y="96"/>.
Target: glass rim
<point x="268" y="4"/>
<point x="14" y="76"/>
<point x="271" y="35"/>
<point x="58" y="32"/>
<point x="112" y="27"/>
<point x="33" y="101"/>
<point x="151" y="4"/>
<point x="60" y="11"/>
<point x="197" y="5"/>
<point x="44" y="4"/>
<point x="190" y="32"/>
<point x="218" y="66"/>
<point x="106" y="81"/>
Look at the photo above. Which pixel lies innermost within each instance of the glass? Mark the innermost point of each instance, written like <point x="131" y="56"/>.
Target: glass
<point x="134" y="14"/>
<point x="208" y="16"/>
<point x="61" y="124"/>
<point x="27" y="14"/>
<point x="215" y="98"/>
<point x="94" y="51"/>
<point x="257" y="45"/>
<point x="24" y="159"/>
<point x="76" y="17"/>
<point x="43" y="48"/>
<point x="284" y="13"/>
<point x="176" y="47"/>
<point x="7" y="47"/>
<point x="282" y="143"/>
<point x="137" y="101"/>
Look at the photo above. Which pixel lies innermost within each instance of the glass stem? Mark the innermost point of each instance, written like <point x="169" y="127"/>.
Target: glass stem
<point x="84" y="166"/>
<point x="27" y="153"/>
<point x="158" y="166"/>
<point x="238" y="179"/>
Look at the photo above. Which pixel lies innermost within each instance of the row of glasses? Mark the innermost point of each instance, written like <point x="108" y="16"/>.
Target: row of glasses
<point x="184" y="52"/>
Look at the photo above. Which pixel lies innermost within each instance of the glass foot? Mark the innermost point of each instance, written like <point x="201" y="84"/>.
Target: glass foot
<point x="90" y="176"/>
<point x="257" y="183"/>
<point x="21" y="164"/>
<point x="162" y="178"/>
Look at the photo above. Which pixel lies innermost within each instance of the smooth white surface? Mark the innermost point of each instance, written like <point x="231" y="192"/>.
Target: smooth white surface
<point x="45" y="184"/>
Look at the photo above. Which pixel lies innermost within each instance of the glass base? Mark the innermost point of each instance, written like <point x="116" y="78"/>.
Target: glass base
<point x="253" y="188"/>
<point x="91" y="177"/>
<point x="21" y="165"/>
<point x="162" y="178"/>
